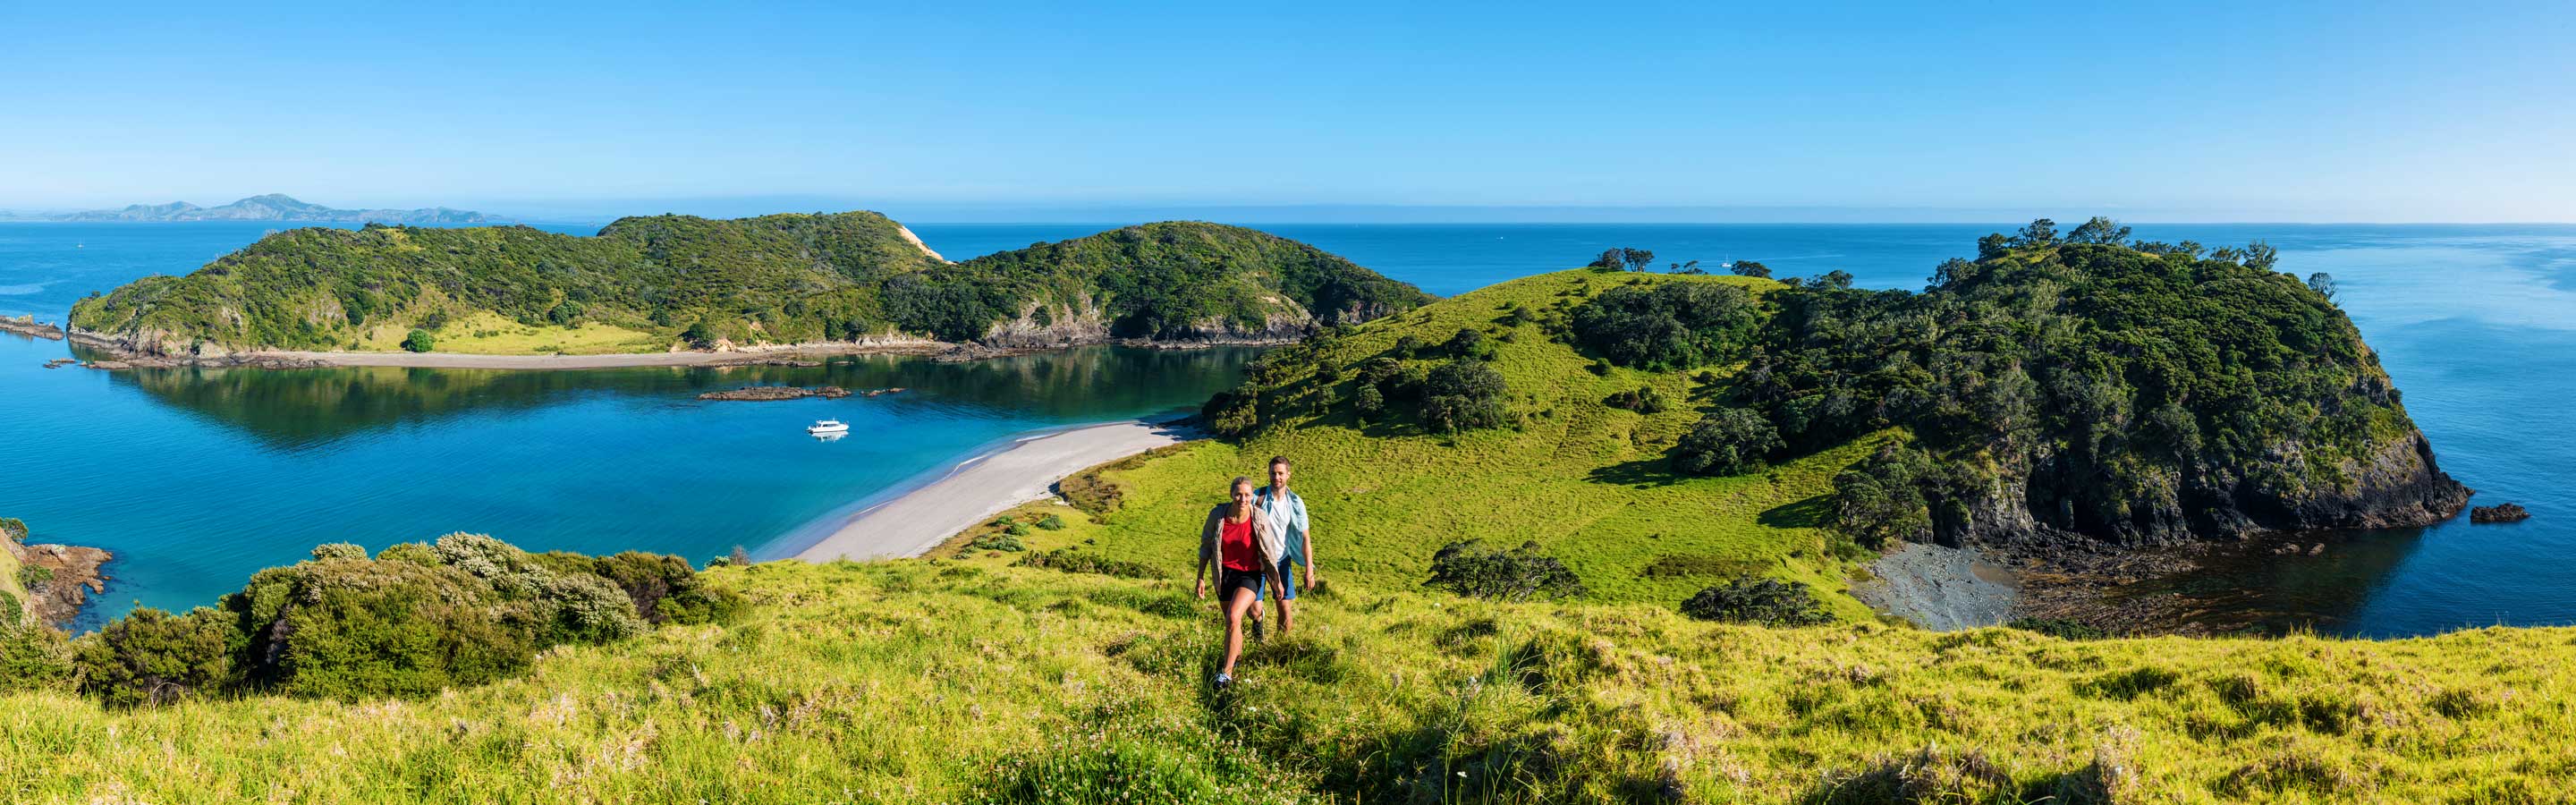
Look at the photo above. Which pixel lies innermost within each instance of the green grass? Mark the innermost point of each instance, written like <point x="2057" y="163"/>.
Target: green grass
<point x="1585" y="480"/>
<point x="483" y="332"/>
<point x="922" y="681"/>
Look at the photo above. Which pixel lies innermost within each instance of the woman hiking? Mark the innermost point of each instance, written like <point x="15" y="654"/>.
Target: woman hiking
<point x="1241" y="541"/>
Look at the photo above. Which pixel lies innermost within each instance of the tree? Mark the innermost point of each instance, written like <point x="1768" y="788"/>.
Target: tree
<point x="1992" y="246"/>
<point x="420" y="341"/>
<point x="699" y="335"/>
<point x="1749" y="268"/>
<point x="1463" y="394"/>
<point x="1728" y="441"/>
<point x="2261" y="256"/>
<point x="1670" y="326"/>
<point x="1468" y="568"/>
<point x="2041" y="232"/>
<point x="1691" y="267"/>
<point x="1880" y="501"/>
<point x="2099" y="230"/>
<point x="2322" y="283"/>
<point x="1636" y="259"/>
<point x="1610" y="260"/>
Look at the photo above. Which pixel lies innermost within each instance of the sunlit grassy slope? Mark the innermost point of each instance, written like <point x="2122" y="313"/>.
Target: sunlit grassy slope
<point x="934" y="682"/>
<point x="486" y="333"/>
<point x="1584" y="479"/>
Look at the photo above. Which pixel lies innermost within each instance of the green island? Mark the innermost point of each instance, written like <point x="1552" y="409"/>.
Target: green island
<point x="673" y="282"/>
<point x="1586" y="536"/>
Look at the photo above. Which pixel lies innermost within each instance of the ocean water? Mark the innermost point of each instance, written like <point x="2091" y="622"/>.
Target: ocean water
<point x="198" y="477"/>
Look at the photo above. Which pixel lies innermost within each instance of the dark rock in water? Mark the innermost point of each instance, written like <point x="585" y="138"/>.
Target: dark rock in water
<point x="766" y="393"/>
<point x="2501" y="513"/>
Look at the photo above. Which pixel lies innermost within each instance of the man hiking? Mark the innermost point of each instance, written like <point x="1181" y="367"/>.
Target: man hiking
<point x="1287" y="512"/>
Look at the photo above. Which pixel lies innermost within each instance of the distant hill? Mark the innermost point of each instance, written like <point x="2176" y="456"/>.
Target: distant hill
<point x="649" y="284"/>
<point x="276" y="207"/>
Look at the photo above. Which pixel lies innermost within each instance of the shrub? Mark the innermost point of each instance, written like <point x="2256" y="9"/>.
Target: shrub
<point x="1673" y="325"/>
<point x="1232" y="414"/>
<point x="347" y="629"/>
<point x="153" y="657"/>
<point x="1727" y="441"/>
<point x="1406" y="347"/>
<point x="1643" y="400"/>
<point x="30" y="576"/>
<point x="1468" y="343"/>
<point x="1880" y="501"/>
<point x="13" y="529"/>
<point x="1769" y="602"/>
<point x="1073" y="561"/>
<point x="1052" y="522"/>
<point x="1468" y="568"/>
<point x="1463" y="394"/>
<point x="996" y="542"/>
<point x="2061" y="628"/>
<point x="420" y="341"/>
<point x="412" y="552"/>
<point x="1369" y="402"/>
<point x="32" y="656"/>
<point x="339" y="550"/>
<point x="1016" y="529"/>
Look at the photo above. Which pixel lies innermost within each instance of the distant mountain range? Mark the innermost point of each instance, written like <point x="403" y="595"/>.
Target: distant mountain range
<point x="275" y="207"/>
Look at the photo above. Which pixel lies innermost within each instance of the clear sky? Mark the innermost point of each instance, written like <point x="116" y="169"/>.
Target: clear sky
<point x="2346" y="111"/>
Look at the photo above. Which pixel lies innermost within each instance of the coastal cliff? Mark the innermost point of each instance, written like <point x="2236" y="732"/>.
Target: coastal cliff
<point x="669" y="283"/>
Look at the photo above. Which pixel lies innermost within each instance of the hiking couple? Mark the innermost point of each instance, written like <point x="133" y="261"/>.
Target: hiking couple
<point x="1252" y="540"/>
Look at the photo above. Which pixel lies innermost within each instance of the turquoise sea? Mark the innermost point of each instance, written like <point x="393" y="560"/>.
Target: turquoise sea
<point x="196" y="478"/>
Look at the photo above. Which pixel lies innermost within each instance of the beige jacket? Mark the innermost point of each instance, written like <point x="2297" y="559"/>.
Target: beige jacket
<point x="1265" y="537"/>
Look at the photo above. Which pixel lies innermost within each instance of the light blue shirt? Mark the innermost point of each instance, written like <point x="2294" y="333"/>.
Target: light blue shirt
<point x="1289" y="512"/>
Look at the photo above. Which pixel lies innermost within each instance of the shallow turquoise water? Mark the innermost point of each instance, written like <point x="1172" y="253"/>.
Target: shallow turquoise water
<point x="197" y="477"/>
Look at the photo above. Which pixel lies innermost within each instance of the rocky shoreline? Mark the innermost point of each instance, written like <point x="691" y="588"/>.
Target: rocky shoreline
<point x="30" y="327"/>
<point x="59" y="578"/>
<point x="769" y="393"/>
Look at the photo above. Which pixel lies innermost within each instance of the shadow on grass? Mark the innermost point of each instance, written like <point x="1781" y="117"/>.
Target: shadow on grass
<point x="1644" y="473"/>
<point x="1813" y="512"/>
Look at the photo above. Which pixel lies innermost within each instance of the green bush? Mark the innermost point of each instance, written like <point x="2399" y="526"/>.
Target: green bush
<point x="1769" y="602"/>
<point x="2061" y="628"/>
<point x="1073" y="561"/>
<point x="351" y="629"/>
<point x="153" y="657"/>
<point x="1468" y="568"/>
<point x="1672" y="325"/>
<point x="997" y="541"/>
<point x="32" y="656"/>
<point x="30" y="576"/>
<point x="420" y="341"/>
<point x="1880" y="501"/>
<point x="1463" y="394"/>
<point x="412" y="552"/>
<point x="339" y="550"/>
<point x="13" y="529"/>
<point x="1052" y="523"/>
<point x="1643" y="400"/>
<point x="1728" y="441"/>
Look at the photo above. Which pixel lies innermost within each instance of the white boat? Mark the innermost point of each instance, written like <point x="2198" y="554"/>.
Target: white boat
<point x="823" y="426"/>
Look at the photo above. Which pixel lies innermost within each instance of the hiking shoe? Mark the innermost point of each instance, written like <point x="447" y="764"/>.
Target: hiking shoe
<point x="1223" y="680"/>
<point x="1255" y="628"/>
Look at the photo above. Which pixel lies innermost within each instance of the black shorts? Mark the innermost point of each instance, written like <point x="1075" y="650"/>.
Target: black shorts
<point x="1227" y="579"/>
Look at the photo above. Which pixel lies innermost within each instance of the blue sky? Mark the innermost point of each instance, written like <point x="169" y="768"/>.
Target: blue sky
<point x="1874" y="111"/>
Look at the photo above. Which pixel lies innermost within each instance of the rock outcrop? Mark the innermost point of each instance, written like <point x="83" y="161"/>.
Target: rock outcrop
<point x="2500" y="513"/>
<point x="58" y="578"/>
<point x="765" y="393"/>
<point x="29" y="326"/>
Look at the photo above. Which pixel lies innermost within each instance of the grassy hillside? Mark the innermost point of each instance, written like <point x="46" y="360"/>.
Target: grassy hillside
<point x="930" y="682"/>
<point x="649" y="283"/>
<point x="1583" y="479"/>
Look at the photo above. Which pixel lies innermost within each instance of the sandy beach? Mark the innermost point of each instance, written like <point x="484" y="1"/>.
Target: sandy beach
<point x="982" y="487"/>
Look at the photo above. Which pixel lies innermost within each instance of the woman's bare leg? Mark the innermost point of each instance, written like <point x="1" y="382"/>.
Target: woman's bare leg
<point x="1237" y="601"/>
